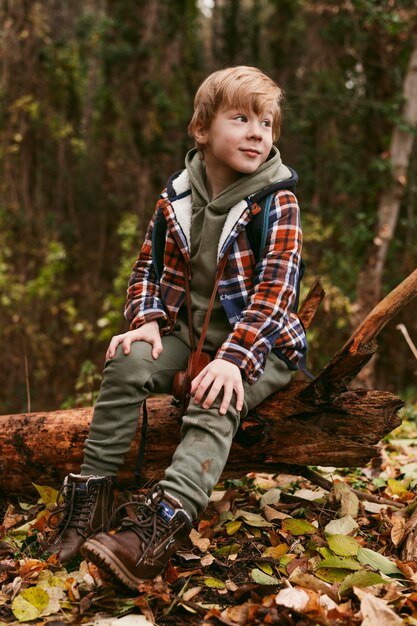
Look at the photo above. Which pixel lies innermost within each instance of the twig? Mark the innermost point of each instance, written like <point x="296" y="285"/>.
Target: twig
<point x="402" y="328"/>
<point x="192" y="605"/>
<point x="327" y="484"/>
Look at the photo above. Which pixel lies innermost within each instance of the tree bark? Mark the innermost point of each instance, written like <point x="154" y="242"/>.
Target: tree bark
<point x="361" y="345"/>
<point x="370" y="278"/>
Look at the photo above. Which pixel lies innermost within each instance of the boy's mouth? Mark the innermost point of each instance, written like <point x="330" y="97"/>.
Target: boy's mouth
<point x="250" y="151"/>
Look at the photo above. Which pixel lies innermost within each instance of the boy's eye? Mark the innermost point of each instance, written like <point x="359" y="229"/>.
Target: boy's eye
<point x="267" y="123"/>
<point x="241" y="118"/>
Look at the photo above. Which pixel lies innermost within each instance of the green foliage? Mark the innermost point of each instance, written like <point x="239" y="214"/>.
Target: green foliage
<point x="86" y="387"/>
<point x="109" y="322"/>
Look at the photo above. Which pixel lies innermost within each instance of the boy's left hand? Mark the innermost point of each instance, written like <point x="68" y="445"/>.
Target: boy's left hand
<point x="218" y="375"/>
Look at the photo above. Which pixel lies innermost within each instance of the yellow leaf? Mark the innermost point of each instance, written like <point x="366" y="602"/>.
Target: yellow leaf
<point x="332" y="574"/>
<point x="214" y="583"/>
<point x="233" y="527"/>
<point x="343" y="545"/>
<point x="23" y="610"/>
<point x="48" y="494"/>
<point x="276" y="552"/>
<point x="36" y="596"/>
<point x="396" y="487"/>
<point x="298" y="527"/>
<point x="266" y="568"/>
<point x="30" y="603"/>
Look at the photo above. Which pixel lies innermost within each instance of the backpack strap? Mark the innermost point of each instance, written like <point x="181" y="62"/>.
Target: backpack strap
<point x="158" y="242"/>
<point x="257" y="229"/>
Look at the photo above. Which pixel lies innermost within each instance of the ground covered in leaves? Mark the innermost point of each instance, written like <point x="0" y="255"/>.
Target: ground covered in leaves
<point x="269" y="550"/>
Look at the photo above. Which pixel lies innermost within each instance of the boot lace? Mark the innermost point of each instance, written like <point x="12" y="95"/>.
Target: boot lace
<point x="76" y="508"/>
<point x="147" y="524"/>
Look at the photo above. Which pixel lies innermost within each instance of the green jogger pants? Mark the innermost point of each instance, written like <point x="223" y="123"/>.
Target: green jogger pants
<point x="206" y="436"/>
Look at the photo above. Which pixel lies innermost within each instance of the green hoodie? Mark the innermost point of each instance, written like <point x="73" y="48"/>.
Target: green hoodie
<point x="208" y="218"/>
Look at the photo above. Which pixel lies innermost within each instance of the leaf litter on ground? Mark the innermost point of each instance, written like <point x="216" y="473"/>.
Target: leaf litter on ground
<point x="272" y="549"/>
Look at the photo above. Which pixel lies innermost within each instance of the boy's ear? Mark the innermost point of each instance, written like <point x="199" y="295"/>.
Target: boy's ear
<point x="200" y="134"/>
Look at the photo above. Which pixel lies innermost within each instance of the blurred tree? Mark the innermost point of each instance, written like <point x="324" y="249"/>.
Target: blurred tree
<point x="95" y="97"/>
<point x="370" y="282"/>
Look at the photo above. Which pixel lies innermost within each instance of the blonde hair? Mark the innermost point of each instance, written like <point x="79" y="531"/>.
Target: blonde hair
<point x="246" y="88"/>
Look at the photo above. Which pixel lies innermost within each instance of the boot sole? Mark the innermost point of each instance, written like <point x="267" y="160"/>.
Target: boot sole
<point x="106" y="560"/>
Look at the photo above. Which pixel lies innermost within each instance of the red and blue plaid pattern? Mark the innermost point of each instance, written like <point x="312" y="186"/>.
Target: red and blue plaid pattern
<point x="257" y="298"/>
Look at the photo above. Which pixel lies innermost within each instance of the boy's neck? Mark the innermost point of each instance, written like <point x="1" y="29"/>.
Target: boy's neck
<point x="217" y="180"/>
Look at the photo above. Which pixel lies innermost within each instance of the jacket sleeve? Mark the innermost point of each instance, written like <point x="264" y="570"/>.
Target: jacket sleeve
<point x="143" y="302"/>
<point x="267" y="321"/>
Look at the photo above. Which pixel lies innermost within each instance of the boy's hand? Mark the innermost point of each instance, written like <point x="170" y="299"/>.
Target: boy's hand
<point x="148" y="332"/>
<point x="218" y="375"/>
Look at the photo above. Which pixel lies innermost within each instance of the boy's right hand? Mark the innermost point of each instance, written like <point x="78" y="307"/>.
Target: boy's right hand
<point x="148" y="332"/>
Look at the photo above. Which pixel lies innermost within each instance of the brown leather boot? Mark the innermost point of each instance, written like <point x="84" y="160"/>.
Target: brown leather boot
<point x="144" y="543"/>
<point x="87" y="508"/>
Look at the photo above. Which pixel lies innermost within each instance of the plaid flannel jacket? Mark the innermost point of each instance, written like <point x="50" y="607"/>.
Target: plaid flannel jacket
<point x="258" y="298"/>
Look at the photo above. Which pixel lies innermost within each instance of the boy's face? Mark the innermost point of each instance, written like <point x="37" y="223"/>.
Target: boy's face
<point x="237" y="142"/>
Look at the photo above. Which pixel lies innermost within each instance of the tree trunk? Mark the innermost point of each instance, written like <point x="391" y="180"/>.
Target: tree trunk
<point x="316" y="423"/>
<point x="370" y="278"/>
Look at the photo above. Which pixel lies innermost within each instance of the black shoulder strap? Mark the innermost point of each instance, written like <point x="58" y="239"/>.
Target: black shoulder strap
<point x="160" y="227"/>
<point x="158" y="241"/>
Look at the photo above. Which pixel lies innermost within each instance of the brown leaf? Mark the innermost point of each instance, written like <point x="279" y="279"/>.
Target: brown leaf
<point x="408" y="571"/>
<point x="143" y="604"/>
<point x="375" y="610"/>
<point x="271" y="513"/>
<point x="170" y="573"/>
<point x="202" y="543"/>
<point x="31" y="568"/>
<point x="300" y="564"/>
<point x="237" y="614"/>
<point x="156" y="587"/>
<point x="11" y="518"/>
<point x="398" y="529"/>
<point x="308" y="581"/>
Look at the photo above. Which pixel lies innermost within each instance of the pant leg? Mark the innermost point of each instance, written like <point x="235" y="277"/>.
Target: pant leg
<point x="206" y="438"/>
<point x="128" y="380"/>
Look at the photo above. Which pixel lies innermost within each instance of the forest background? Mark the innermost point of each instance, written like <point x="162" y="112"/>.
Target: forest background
<point x="95" y="99"/>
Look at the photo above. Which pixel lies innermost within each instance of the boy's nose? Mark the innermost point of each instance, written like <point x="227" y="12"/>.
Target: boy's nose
<point x="253" y="131"/>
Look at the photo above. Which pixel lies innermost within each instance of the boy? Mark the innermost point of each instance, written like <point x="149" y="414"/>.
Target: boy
<point x="254" y="337"/>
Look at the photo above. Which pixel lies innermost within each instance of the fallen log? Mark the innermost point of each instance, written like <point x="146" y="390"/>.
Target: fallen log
<point x="308" y="423"/>
<point x="44" y="447"/>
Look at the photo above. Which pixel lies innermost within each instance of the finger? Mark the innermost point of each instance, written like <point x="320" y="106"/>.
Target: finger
<point x="240" y="395"/>
<point x="157" y="347"/>
<point x="111" y="351"/>
<point x="212" y="395"/>
<point x="227" y="396"/>
<point x="126" y="345"/>
<point x="202" y="388"/>
<point x="196" y="381"/>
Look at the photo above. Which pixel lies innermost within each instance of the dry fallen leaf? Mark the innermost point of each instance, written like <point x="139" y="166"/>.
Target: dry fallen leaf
<point x="198" y="541"/>
<point x="375" y="611"/>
